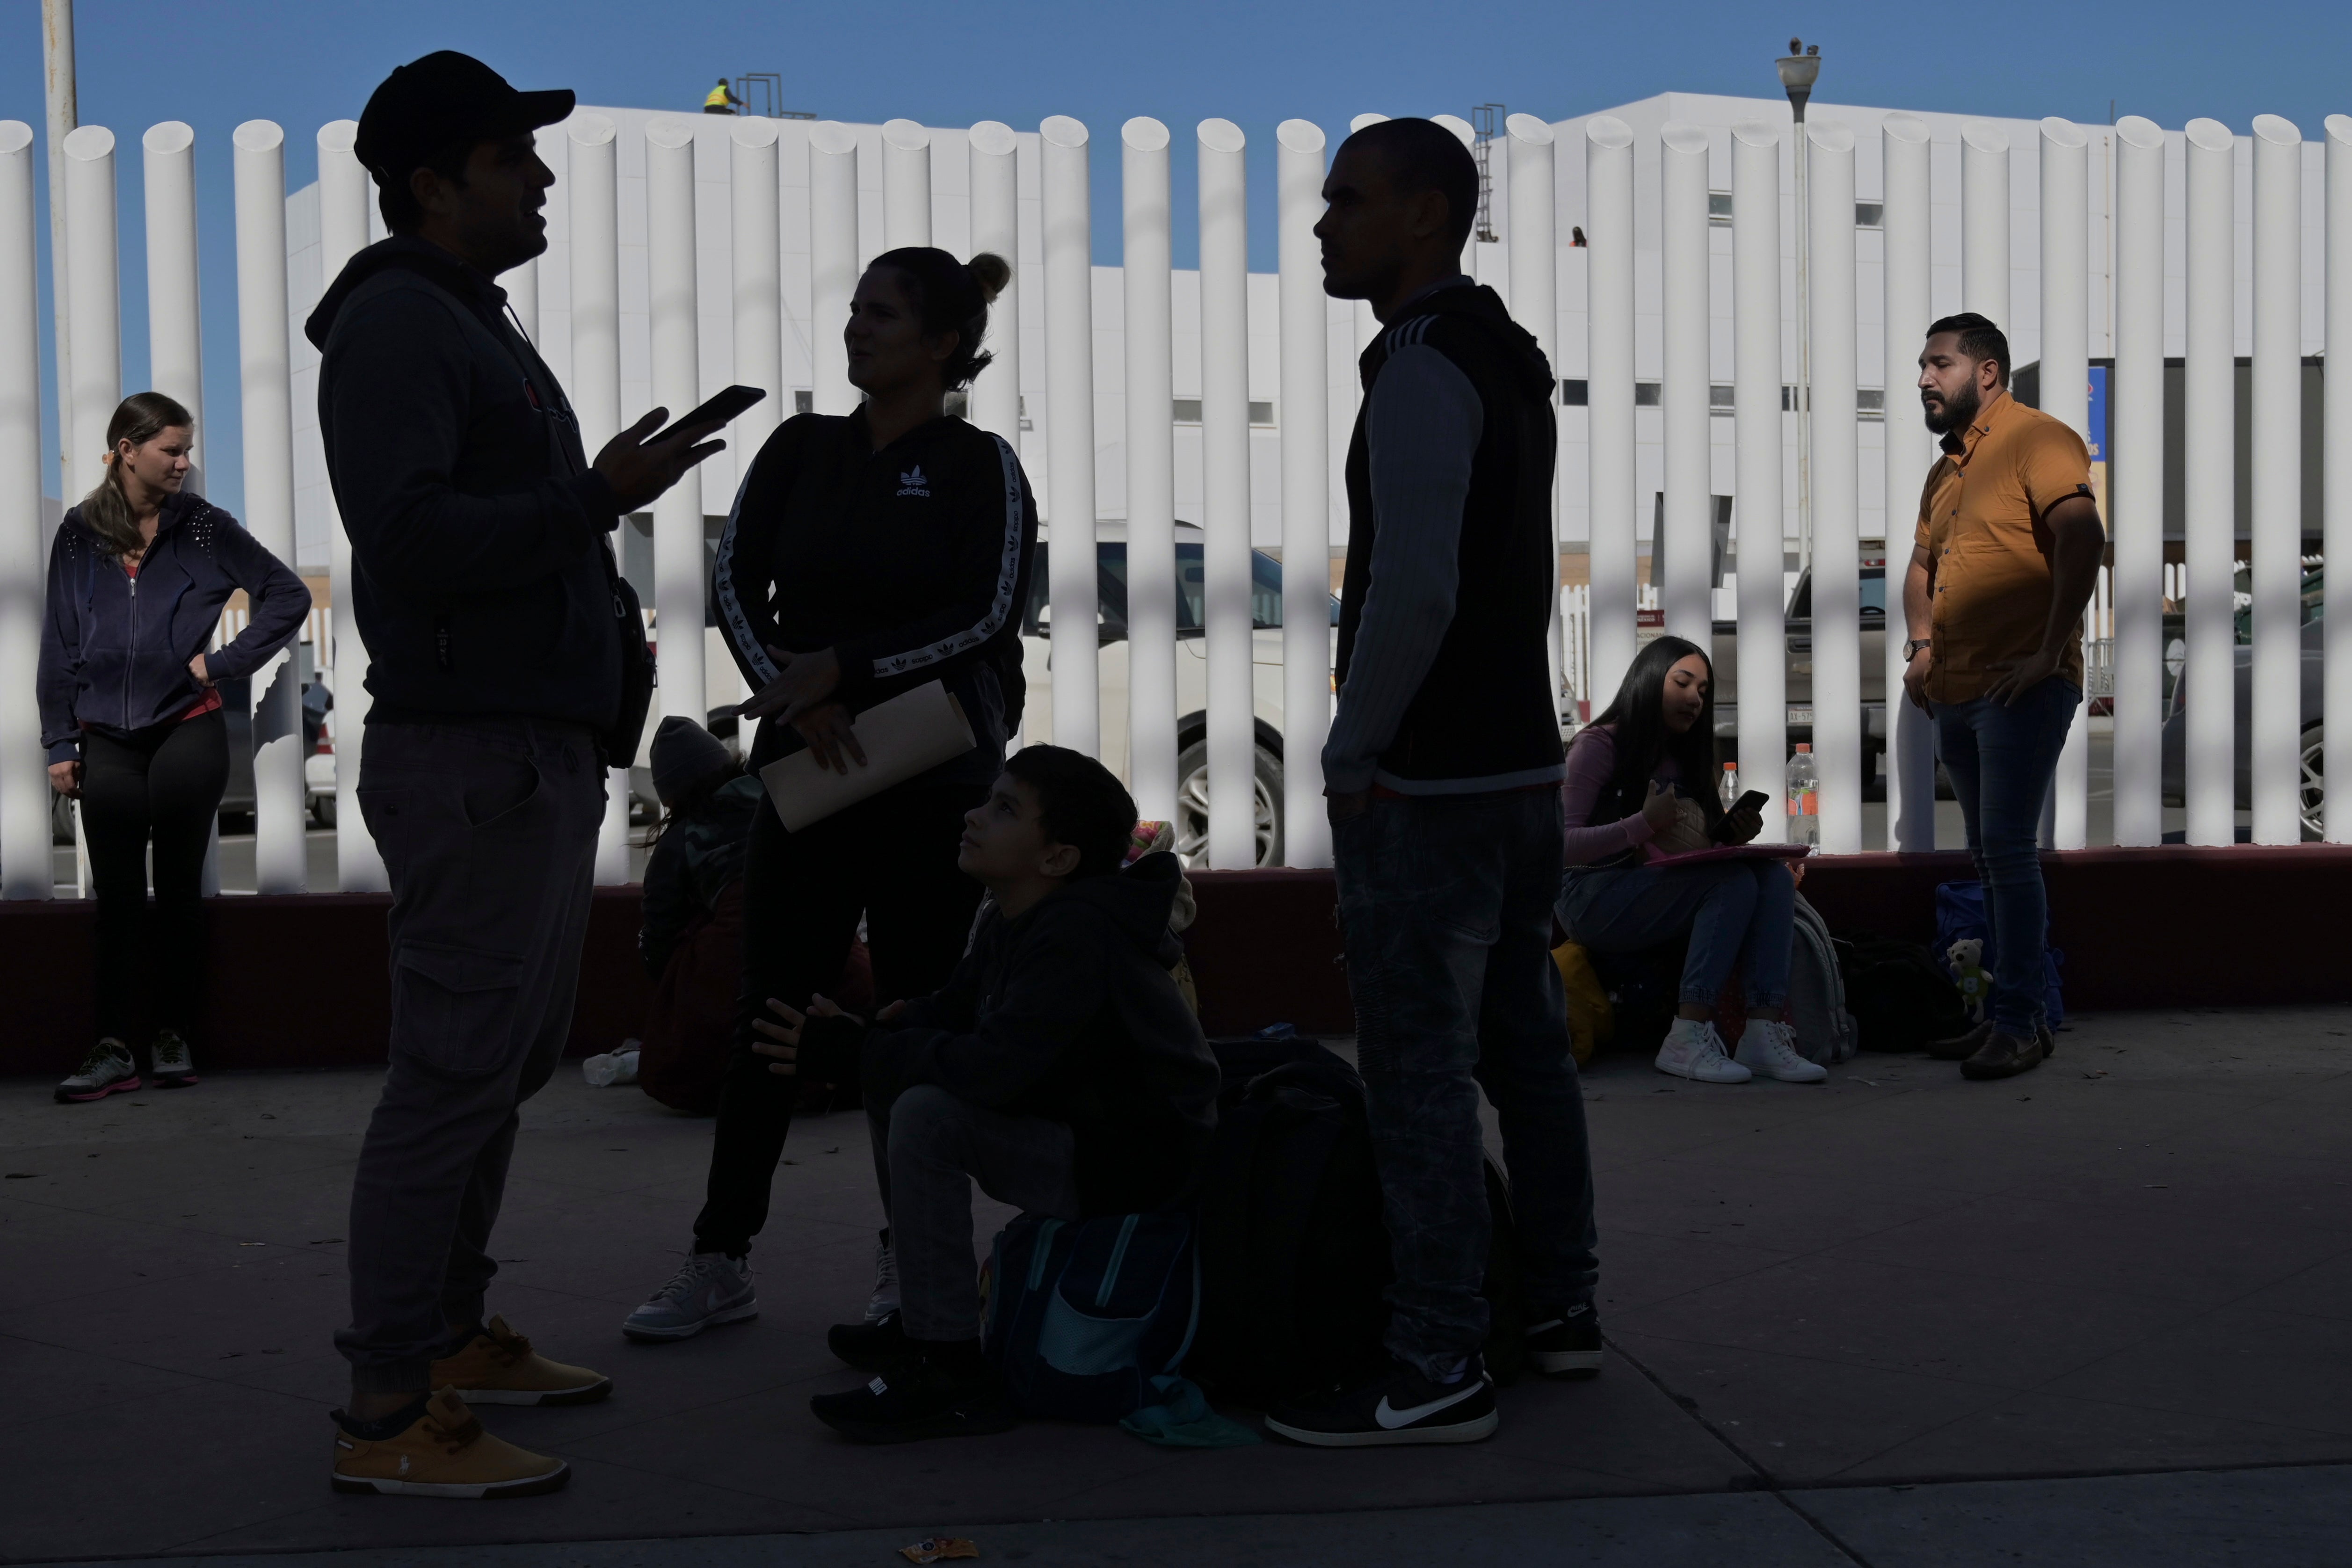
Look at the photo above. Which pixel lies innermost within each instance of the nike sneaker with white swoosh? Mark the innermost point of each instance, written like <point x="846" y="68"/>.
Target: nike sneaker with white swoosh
<point x="1398" y="1406"/>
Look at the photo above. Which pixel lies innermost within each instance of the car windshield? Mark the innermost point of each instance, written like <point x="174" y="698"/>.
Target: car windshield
<point x="1110" y="558"/>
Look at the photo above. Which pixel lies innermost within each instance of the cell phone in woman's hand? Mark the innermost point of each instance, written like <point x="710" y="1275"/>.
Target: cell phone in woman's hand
<point x="1752" y="801"/>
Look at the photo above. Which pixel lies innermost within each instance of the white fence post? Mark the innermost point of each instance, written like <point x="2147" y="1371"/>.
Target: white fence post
<point x="906" y="184"/>
<point x="1609" y="415"/>
<point x="1682" y="554"/>
<point x="678" y="596"/>
<point x="175" y="339"/>
<point x="2209" y="479"/>
<point x="1225" y="495"/>
<point x="2135" y="481"/>
<point x="343" y="194"/>
<point x="97" y="305"/>
<point x="24" y="865"/>
<point x="1148" y="212"/>
<point x="2337" y="499"/>
<point x="2276" y="721"/>
<point x="757" y="276"/>
<point x="1070" y="435"/>
<point x="2066" y="396"/>
<point x="1307" y="481"/>
<point x="1533" y="236"/>
<point x="265" y="370"/>
<point x="596" y="389"/>
<point x="996" y="396"/>
<point x="1984" y="224"/>
<point x="1757" y="511"/>
<point x="833" y="260"/>
<point x="1908" y="249"/>
<point x="1836" y="564"/>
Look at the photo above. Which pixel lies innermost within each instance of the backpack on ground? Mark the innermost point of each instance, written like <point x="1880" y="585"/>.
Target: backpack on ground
<point x="1817" y="1000"/>
<point x="1902" y="999"/>
<point x="1081" y="1315"/>
<point x="1960" y="915"/>
<point x="1294" y="1250"/>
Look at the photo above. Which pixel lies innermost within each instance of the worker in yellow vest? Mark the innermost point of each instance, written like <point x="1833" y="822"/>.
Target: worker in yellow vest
<point x="721" y="99"/>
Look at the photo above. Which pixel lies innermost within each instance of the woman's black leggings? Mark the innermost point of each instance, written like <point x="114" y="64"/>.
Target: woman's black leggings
<point x="162" y="785"/>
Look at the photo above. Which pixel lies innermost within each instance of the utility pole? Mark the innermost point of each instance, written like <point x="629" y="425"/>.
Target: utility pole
<point x="1799" y="68"/>
<point x="58" y="56"/>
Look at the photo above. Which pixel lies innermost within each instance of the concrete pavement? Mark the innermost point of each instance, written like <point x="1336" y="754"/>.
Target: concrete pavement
<point x="1899" y="1319"/>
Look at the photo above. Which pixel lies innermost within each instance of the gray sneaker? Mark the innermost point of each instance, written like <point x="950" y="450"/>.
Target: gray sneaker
<point x="710" y="1287"/>
<point x="174" y="1064"/>
<point x="885" y="1299"/>
<point x="108" y="1069"/>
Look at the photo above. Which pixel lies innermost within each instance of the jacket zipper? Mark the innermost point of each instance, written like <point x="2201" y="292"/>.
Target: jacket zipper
<point x="131" y="658"/>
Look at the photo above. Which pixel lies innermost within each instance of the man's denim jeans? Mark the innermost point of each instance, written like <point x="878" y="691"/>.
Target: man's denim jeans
<point x="1446" y="906"/>
<point x="2001" y="759"/>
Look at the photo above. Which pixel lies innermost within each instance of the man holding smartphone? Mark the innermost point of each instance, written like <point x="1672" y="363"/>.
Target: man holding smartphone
<point x="2007" y="553"/>
<point x="506" y="669"/>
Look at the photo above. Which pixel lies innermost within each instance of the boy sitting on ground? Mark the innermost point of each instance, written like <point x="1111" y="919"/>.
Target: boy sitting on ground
<point x="1059" y="1068"/>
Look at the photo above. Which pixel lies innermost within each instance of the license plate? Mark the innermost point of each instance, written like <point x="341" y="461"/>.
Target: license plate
<point x="1800" y="716"/>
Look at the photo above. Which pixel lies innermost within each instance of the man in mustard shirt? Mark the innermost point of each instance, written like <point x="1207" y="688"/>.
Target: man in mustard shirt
<point x="2007" y="551"/>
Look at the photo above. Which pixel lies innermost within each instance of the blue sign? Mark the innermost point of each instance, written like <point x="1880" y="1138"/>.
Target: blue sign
<point x="2098" y="420"/>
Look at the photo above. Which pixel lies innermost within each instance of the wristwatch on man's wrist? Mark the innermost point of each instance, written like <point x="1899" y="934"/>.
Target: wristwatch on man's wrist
<point x="1911" y="649"/>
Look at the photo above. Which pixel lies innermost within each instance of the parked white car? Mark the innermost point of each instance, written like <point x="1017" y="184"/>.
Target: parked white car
<point x="1192" y="678"/>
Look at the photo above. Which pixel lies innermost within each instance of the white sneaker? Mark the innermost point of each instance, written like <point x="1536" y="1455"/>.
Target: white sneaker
<point x="1769" y="1050"/>
<point x="709" y="1288"/>
<point x="885" y="1299"/>
<point x="1694" y="1050"/>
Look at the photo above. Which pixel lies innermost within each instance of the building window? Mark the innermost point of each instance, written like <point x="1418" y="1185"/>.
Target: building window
<point x="803" y="400"/>
<point x="1719" y="208"/>
<point x="1870" y="214"/>
<point x="1574" y="394"/>
<point x="1188" y="412"/>
<point x="1719" y="399"/>
<point x="1646" y="394"/>
<point x="1870" y="403"/>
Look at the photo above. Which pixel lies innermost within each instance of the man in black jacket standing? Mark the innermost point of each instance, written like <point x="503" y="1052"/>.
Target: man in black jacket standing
<point x="506" y="671"/>
<point x="1443" y="770"/>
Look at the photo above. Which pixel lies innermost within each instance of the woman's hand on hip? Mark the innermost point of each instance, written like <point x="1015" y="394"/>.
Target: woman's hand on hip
<point x="197" y="668"/>
<point x="828" y="732"/>
<point x="66" y="778"/>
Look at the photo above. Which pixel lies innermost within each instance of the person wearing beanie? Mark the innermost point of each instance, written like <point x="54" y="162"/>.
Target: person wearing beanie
<point x="692" y="936"/>
<point x="507" y="674"/>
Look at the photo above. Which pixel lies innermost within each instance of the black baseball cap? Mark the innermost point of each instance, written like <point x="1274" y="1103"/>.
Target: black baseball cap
<point x="444" y="98"/>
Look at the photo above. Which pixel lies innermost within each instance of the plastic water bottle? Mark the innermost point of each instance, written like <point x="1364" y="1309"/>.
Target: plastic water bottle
<point x="1804" y="797"/>
<point x="1729" y="790"/>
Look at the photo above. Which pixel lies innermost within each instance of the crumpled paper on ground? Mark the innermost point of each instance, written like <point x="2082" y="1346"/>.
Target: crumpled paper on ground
<point x="940" y="1549"/>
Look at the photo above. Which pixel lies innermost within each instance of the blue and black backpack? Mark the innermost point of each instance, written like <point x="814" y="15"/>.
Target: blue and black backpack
<point x="1081" y="1315"/>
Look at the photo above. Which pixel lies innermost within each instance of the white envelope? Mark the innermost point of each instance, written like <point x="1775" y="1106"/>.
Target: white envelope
<point x="911" y="733"/>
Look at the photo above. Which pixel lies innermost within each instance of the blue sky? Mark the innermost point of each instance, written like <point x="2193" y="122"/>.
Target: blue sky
<point x="215" y="63"/>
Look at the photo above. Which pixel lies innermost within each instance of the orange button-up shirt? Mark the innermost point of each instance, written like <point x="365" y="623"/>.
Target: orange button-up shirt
<point x="1982" y="523"/>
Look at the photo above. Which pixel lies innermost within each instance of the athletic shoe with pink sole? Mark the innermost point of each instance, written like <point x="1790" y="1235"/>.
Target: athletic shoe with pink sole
<point x="108" y="1069"/>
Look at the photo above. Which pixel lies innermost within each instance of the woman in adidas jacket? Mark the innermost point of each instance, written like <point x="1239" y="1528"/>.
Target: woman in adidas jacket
<point x="865" y="556"/>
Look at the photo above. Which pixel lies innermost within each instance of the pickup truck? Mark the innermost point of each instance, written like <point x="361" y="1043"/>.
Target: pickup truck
<point x="1725" y="653"/>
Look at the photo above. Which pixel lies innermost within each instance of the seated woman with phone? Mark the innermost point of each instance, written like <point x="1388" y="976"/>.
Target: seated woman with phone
<point x="1634" y="798"/>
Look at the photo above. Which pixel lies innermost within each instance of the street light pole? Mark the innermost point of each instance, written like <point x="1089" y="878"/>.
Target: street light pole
<point x="1799" y="68"/>
<point x="58" y="57"/>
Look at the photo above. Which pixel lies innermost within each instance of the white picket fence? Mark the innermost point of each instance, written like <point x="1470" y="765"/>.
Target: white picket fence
<point x="1598" y="623"/>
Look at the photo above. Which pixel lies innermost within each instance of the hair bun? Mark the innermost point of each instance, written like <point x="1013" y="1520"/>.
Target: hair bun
<point x="992" y="272"/>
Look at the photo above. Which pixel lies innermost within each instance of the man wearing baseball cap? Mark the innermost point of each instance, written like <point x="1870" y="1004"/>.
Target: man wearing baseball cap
<point x="507" y="670"/>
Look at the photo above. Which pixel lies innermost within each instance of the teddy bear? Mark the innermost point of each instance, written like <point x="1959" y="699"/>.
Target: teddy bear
<point x="1967" y="957"/>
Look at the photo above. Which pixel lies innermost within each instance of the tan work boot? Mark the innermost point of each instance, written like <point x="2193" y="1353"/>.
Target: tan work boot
<point x="444" y="1453"/>
<point x="497" y="1366"/>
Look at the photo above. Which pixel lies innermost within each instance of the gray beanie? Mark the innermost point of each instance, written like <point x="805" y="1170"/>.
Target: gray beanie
<point x="683" y="753"/>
